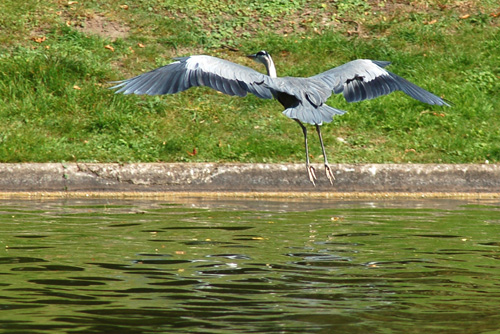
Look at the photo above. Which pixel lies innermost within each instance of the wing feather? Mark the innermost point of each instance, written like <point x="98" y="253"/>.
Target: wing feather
<point x="186" y="72"/>
<point x="364" y="79"/>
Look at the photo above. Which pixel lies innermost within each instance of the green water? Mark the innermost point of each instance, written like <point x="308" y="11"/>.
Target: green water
<point x="249" y="266"/>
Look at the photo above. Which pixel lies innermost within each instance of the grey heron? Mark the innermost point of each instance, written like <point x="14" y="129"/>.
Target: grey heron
<point x="304" y="99"/>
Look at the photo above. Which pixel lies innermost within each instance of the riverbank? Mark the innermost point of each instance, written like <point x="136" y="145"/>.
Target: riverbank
<point x="155" y="179"/>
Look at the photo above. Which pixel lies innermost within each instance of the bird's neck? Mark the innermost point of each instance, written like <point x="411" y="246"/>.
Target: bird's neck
<point x="271" y="70"/>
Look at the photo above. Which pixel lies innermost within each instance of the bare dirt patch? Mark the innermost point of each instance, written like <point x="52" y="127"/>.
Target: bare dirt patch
<point x="100" y="25"/>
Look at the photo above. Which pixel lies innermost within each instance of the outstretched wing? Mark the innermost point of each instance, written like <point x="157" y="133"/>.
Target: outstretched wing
<point x="364" y="79"/>
<point x="186" y="72"/>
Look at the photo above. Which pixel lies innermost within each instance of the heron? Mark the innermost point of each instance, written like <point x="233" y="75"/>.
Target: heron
<point x="304" y="98"/>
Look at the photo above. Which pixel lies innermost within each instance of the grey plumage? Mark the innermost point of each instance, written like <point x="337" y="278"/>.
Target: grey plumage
<point x="366" y="79"/>
<point x="304" y="99"/>
<point x="185" y="72"/>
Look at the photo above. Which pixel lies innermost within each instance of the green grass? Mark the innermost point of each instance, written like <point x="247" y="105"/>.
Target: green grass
<point x="54" y="72"/>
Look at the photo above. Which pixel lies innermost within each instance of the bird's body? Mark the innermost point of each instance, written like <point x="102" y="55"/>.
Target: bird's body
<point x="304" y="99"/>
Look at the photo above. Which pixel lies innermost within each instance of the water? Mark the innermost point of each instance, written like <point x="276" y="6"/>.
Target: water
<point x="249" y="266"/>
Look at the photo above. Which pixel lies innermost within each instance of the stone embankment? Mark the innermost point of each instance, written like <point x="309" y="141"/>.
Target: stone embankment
<point x="248" y="178"/>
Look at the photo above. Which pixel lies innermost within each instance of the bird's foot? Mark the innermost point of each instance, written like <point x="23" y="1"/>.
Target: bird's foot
<point x="329" y="174"/>
<point x="311" y="172"/>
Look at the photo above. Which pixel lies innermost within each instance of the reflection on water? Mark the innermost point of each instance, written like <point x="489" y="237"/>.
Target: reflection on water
<point x="252" y="266"/>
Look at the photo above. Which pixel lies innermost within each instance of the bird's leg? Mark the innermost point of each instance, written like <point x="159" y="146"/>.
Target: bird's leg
<point x="310" y="169"/>
<point x="329" y="173"/>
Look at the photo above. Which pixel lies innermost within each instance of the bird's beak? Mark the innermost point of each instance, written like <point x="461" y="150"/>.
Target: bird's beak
<point x="252" y="56"/>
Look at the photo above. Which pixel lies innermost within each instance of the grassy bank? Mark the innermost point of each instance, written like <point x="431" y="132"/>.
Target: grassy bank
<point x="56" y="58"/>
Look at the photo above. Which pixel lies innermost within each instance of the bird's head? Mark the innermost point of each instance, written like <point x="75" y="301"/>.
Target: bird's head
<point x="260" y="57"/>
<point x="265" y="58"/>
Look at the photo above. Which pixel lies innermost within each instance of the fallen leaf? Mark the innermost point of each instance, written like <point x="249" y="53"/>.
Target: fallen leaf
<point x="466" y="16"/>
<point x="141" y="45"/>
<point x="439" y="115"/>
<point x="39" y="39"/>
<point x="195" y="151"/>
<point x="72" y="3"/>
<point x="76" y="87"/>
<point x="431" y="22"/>
<point x="109" y="47"/>
<point x="124" y="7"/>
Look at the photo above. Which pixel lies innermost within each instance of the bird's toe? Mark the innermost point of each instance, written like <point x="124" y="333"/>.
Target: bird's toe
<point x="329" y="174"/>
<point x="311" y="172"/>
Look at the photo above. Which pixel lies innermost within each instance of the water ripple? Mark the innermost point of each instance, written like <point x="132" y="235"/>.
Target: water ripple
<point x="118" y="266"/>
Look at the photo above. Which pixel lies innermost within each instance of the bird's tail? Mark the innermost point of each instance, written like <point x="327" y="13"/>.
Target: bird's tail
<point x="322" y="114"/>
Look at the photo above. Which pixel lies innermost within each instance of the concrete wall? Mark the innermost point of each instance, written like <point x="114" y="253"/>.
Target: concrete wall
<point x="231" y="177"/>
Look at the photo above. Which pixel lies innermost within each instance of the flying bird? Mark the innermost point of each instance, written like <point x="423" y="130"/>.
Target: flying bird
<point x="304" y="99"/>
